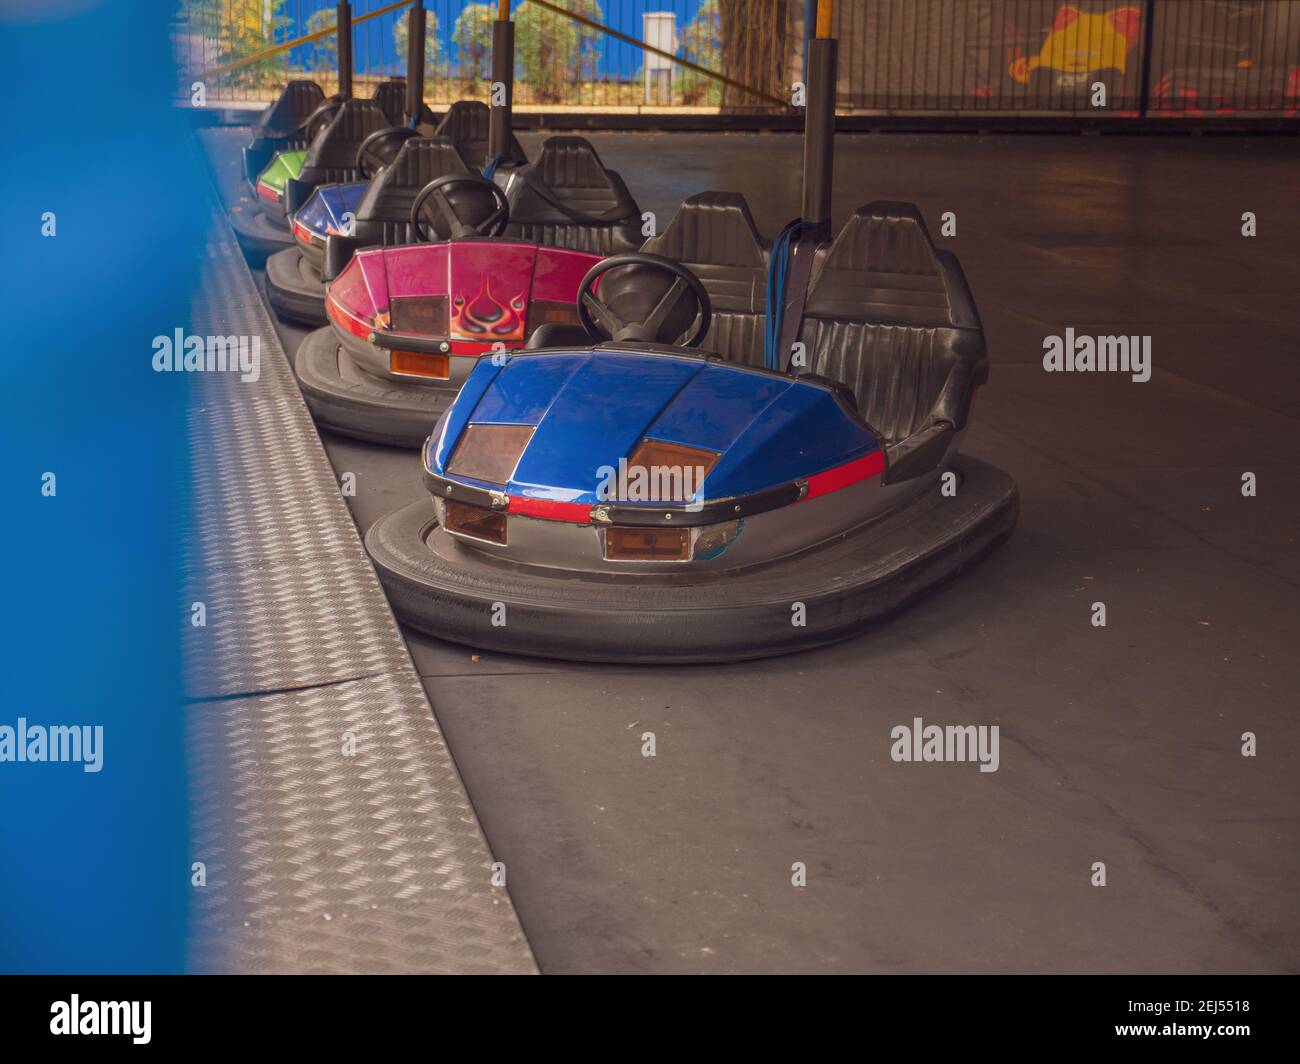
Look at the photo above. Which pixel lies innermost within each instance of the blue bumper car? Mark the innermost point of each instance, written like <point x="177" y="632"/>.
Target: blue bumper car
<point x="676" y="482"/>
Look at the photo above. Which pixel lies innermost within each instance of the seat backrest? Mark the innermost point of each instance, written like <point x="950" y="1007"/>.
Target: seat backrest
<point x="713" y="234"/>
<point x="332" y="156"/>
<point x="384" y="213"/>
<point x="891" y="317"/>
<point x="567" y="199"/>
<point x="391" y="97"/>
<point x="467" y="124"/>
<point x="295" y="105"/>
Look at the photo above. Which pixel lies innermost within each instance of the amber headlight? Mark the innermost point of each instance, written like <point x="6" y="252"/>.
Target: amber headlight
<point x="489" y="452"/>
<point x="648" y="544"/>
<point x="665" y="472"/>
<point x="419" y="364"/>
<point x="477" y="522"/>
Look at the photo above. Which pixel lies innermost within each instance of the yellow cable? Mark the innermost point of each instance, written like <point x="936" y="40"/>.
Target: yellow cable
<point x="267" y="53"/>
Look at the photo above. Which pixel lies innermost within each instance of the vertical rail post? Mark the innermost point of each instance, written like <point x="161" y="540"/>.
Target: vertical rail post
<point x="415" y="31"/>
<point x="503" y="73"/>
<point x="344" y="21"/>
<point x="819" y="122"/>
<point x="1148" y="35"/>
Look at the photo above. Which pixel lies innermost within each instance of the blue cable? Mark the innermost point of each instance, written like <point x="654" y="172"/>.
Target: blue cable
<point x="491" y="167"/>
<point x="777" y="267"/>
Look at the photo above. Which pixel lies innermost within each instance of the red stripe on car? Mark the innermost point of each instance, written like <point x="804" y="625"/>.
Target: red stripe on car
<point x="823" y="483"/>
<point x="550" y="510"/>
<point x="846" y="475"/>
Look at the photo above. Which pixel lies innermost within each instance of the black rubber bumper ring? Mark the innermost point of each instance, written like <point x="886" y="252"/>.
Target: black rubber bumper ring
<point x="355" y="403"/>
<point x="294" y="288"/>
<point x="717" y="616"/>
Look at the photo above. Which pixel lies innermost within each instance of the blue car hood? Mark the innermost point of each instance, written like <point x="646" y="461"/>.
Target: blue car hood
<point x="591" y="409"/>
<point x="324" y="210"/>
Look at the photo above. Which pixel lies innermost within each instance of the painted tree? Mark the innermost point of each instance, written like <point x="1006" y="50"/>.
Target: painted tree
<point x="401" y="35"/>
<point x="324" y="53"/>
<point x="754" y="38"/>
<point x="546" y="51"/>
<point x="554" y="53"/>
<point x="473" y="36"/>
<point x="701" y="43"/>
<point x="589" y="38"/>
<point x="226" y="30"/>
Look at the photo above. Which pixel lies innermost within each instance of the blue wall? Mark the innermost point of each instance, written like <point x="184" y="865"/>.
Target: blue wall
<point x="94" y="866"/>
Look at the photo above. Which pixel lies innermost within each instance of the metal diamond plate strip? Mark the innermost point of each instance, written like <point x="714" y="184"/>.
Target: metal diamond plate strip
<point x="334" y="828"/>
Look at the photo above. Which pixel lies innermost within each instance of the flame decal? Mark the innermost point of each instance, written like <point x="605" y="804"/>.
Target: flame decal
<point x="485" y="317"/>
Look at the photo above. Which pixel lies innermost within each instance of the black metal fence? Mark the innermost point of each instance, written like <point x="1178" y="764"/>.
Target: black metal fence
<point x="560" y="63"/>
<point x="1126" y="58"/>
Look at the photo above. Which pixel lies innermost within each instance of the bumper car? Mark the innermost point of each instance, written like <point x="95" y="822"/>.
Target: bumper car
<point x="622" y="500"/>
<point x="745" y="449"/>
<point x="262" y="227"/>
<point x="408" y="323"/>
<point x="290" y="124"/>
<point x="282" y="127"/>
<point x="397" y="162"/>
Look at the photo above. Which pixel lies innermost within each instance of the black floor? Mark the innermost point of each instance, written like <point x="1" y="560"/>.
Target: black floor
<point x="1120" y="744"/>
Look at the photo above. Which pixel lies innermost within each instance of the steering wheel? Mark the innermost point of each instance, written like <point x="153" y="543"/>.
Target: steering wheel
<point x="457" y="200"/>
<point x="653" y="300"/>
<point x="321" y="117"/>
<point x="381" y="148"/>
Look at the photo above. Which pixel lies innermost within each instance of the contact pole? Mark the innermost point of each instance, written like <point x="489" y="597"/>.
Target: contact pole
<point x="415" y="31"/>
<point x="819" y="121"/>
<point x="503" y="73"/>
<point x="344" y="23"/>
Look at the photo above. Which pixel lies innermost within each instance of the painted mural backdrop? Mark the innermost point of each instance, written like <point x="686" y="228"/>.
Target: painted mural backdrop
<point x="947" y="56"/>
<point x="1207" y="56"/>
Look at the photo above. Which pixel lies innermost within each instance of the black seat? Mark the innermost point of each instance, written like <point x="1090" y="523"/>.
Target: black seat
<point x="891" y="317"/>
<point x="384" y="214"/>
<point x="286" y="116"/>
<point x="714" y="235"/>
<point x="559" y="334"/>
<point x="567" y="199"/>
<point x="280" y="126"/>
<point x="332" y="156"/>
<point x="467" y="123"/>
<point x="391" y="97"/>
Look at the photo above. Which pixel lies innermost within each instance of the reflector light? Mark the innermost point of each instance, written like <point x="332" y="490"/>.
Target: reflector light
<point x="476" y="521"/>
<point x="420" y="364"/>
<point x="489" y="452"/>
<point x="344" y="320"/>
<point x="560" y="312"/>
<point x="666" y="472"/>
<point x="421" y="315"/>
<point x="546" y="311"/>
<point x="648" y="544"/>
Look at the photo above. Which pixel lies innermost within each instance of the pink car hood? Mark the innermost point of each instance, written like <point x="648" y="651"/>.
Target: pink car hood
<point x="489" y="286"/>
